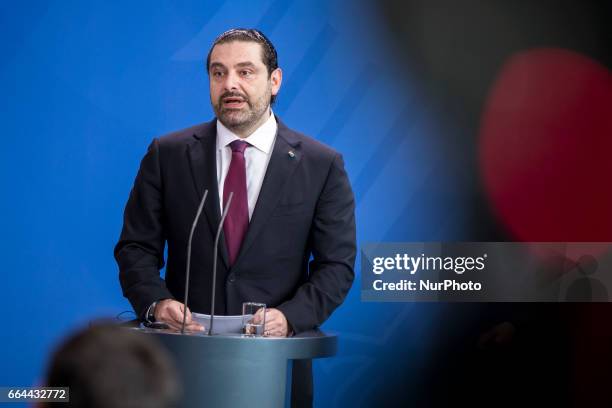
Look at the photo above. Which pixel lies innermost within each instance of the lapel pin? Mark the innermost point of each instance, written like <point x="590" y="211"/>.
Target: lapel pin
<point x="291" y="154"/>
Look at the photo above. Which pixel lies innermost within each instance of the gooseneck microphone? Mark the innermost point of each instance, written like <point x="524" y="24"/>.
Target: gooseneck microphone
<point x="188" y="268"/>
<point x="214" y="279"/>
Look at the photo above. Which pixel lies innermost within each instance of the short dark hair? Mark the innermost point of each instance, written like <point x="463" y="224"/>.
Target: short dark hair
<point x="268" y="56"/>
<point x="106" y="366"/>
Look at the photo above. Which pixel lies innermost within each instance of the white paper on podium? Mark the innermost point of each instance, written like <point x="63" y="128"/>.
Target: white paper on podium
<point x="222" y="324"/>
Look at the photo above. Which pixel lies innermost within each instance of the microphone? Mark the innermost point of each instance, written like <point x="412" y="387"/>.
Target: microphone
<point x="214" y="280"/>
<point x="188" y="268"/>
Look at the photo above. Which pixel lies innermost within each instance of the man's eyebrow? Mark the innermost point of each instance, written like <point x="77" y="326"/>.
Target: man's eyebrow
<point x="216" y="65"/>
<point x="245" y="64"/>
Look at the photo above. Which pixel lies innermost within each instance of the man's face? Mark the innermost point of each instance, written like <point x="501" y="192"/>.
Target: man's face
<point x="240" y="87"/>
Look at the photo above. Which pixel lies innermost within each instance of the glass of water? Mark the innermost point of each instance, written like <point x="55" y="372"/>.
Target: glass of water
<point x="253" y="318"/>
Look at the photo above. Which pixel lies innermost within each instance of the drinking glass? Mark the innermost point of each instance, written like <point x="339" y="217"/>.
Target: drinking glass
<point x="249" y="310"/>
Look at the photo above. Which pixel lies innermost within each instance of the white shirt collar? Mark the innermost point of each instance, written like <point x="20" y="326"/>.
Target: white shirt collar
<point x="262" y="138"/>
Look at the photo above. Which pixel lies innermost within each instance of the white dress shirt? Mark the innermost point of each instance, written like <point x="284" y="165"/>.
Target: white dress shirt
<point x="257" y="156"/>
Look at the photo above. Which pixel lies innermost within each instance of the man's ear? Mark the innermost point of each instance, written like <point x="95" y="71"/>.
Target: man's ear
<point x="276" y="77"/>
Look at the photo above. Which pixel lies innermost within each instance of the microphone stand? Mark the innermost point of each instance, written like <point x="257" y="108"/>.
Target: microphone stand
<point x="216" y="249"/>
<point x="188" y="268"/>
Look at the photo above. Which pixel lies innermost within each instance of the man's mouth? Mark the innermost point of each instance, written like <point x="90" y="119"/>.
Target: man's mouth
<point x="233" y="102"/>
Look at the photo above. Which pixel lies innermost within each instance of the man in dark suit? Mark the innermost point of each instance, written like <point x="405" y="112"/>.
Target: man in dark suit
<point x="289" y="237"/>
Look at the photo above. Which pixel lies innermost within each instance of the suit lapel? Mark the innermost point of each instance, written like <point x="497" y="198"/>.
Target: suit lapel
<point x="203" y="161"/>
<point x="286" y="156"/>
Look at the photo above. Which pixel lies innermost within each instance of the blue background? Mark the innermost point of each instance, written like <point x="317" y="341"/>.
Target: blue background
<point x="87" y="85"/>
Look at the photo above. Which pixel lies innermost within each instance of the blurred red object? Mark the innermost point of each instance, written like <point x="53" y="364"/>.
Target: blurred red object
<point x="545" y="146"/>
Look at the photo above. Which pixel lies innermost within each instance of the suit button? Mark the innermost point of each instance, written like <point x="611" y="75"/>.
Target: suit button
<point x="231" y="278"/>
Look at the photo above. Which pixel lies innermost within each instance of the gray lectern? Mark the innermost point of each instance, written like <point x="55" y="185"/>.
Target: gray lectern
<point x="234" y="371"/>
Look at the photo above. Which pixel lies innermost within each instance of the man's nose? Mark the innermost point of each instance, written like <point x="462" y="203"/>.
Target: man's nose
<point x="231" y="81"/>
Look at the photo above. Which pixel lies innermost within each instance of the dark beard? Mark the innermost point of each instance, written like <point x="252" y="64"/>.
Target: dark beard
<point x="240" y="120"/>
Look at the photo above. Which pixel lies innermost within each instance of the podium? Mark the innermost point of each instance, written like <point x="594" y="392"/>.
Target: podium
<point x="236" y="371"/>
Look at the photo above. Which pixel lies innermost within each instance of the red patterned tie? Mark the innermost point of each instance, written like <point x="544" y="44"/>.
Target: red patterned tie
<point x="237" y="221"/>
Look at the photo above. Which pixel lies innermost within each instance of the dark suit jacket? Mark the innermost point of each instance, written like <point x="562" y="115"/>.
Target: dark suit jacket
<point x="305" y="208"/>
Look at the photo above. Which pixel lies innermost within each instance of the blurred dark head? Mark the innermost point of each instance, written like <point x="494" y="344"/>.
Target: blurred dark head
<point x="112" y="367"/>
